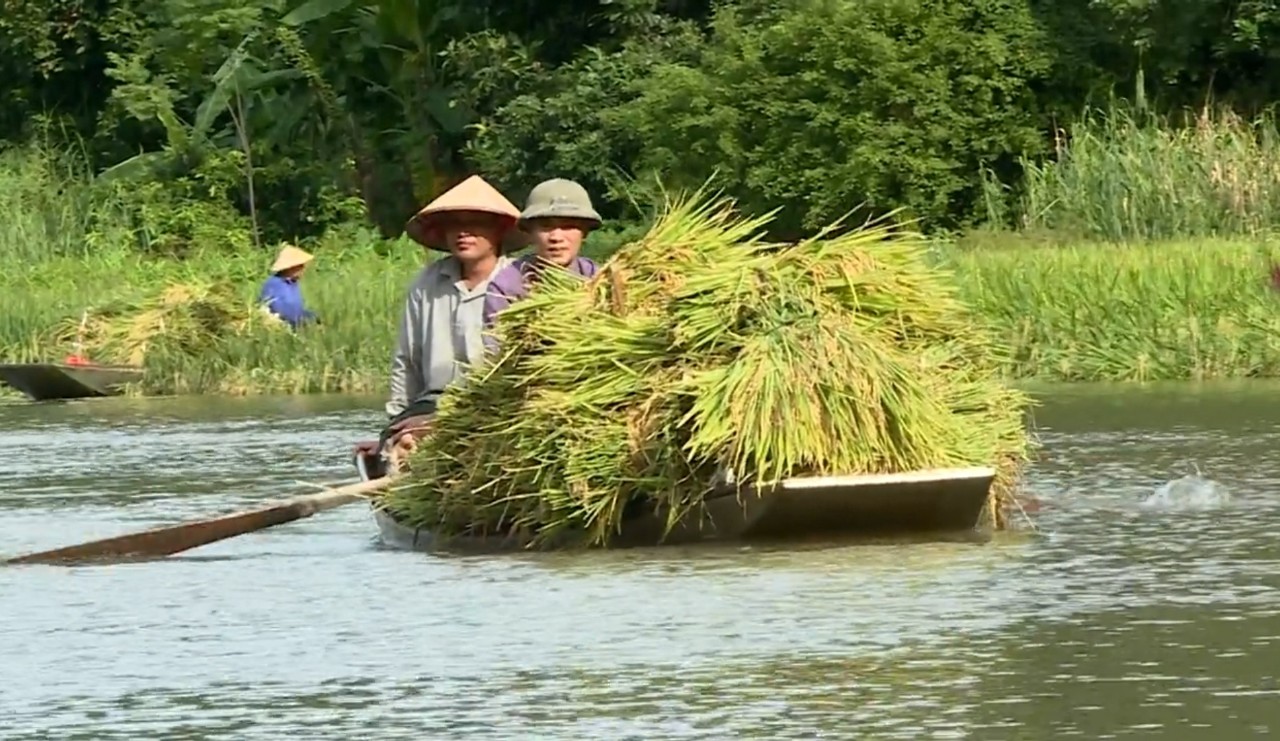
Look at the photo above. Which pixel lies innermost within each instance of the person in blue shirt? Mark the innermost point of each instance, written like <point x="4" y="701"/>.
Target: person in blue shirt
<point x="280" y="293"/>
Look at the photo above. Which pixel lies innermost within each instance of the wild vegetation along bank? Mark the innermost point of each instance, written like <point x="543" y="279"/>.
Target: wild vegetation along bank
<point x="190" y="318"/>
<point x="1091" y="289"/>
<point x="1175" y="310"/>
<point x="1073" y="312"/>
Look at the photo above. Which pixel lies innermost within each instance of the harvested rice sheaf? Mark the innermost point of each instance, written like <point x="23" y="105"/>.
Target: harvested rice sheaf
<point x="702" y="348"/>
<point x="188" y="319"/>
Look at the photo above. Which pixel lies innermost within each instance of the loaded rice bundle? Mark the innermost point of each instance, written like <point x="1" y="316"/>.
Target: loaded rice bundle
<point x="702" y="349"/>
<point x="190" y="319"/>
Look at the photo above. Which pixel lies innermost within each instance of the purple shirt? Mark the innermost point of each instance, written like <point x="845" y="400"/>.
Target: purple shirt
<point x="512" y="284"/>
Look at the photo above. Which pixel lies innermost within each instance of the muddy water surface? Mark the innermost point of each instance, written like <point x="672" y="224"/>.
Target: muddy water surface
<point x="1112" y="622"/>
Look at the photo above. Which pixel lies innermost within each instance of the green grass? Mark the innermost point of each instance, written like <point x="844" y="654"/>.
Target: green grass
<point x="71" y="244"/>
<point x="357" y="286"/>
<point x="1100" y="312"/>
<point x="47" y="205"/>
<point x="1142" y="252"/>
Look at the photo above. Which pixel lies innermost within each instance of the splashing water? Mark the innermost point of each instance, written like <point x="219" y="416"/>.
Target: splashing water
<point x="1190" y="492"/>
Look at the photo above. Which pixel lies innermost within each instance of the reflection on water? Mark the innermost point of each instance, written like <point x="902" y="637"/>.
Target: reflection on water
<point x="1112" y="621"/>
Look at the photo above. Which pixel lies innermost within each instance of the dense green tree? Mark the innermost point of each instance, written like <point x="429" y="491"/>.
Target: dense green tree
<point x="814" y="107"/>
<point x="262" y="119"/>
<point x="53" y="55"/>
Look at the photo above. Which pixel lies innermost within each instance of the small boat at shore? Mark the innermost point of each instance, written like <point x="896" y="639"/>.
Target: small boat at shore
<point x="56" y="381"/>
<point x="934" y="503"/>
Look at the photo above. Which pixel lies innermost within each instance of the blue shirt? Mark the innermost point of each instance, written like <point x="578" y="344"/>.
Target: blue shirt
<point x="283" y="297"/>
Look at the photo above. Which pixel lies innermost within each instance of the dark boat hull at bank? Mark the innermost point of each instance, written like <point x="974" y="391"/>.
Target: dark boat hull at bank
<point x="933" y="503"/>
<point x="57" y="381"/>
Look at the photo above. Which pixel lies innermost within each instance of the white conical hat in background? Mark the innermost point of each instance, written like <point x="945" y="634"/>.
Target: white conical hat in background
<point x="291" y="257"/>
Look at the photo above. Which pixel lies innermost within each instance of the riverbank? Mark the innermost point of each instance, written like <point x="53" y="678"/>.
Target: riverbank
<point x="1168" y="310"/>
<point x="1071" y="311"/>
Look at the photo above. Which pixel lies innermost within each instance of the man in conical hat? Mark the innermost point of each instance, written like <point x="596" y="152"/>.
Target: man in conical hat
<point x="557" y="217"/>
<point x="280" y="293"/>
<point x="440" y="330"/>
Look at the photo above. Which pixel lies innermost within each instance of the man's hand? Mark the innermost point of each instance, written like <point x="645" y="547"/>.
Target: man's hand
<point x="404" y="438"/>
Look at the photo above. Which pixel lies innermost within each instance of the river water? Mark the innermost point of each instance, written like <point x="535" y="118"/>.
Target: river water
<point x="1111" y="621"/>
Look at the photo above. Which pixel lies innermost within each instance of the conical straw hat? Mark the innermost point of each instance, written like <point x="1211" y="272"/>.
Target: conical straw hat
<point x="472" y="194"/>
<point x="291" y="257"/>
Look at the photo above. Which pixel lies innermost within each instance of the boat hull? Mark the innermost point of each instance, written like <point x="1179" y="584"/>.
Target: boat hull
<point x="934" y="504"/>
<point x="54" y="381"/>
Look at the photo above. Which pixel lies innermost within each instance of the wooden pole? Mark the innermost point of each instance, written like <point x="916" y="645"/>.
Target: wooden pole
<point x="165" y="541"/>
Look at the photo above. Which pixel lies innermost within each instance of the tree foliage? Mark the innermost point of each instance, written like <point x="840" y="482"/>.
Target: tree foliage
<point x="276" y="118"/>
<point x="818" y="106"/>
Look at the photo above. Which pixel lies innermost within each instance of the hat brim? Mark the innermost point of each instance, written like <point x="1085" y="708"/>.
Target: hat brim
<point x="593" y="221"/>
<point x="427" y="230"/>
<point x="278" y="267"/>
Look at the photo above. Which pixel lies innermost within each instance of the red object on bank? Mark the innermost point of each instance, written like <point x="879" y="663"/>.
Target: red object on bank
<point x="77" y="360"/>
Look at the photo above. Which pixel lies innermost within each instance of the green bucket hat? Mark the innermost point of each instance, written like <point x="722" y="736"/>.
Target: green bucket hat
<point x="559" y="199"/>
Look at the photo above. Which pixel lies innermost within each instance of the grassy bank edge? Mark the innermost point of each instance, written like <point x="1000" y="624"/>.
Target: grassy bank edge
<point x="1070" y="311"/>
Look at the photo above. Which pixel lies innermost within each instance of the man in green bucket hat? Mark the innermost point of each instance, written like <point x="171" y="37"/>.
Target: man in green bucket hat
<point x="557" y="218"/>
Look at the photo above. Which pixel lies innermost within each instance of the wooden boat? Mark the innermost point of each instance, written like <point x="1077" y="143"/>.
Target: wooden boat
<point x="48" y="381"/>
<point x="922" y="503"/>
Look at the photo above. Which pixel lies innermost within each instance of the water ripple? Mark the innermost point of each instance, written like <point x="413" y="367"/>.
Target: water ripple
<point x="1110" y="622"/>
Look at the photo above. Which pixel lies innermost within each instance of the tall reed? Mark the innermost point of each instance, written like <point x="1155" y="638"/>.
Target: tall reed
<point x="1125" y="177"/>
<point x="48" y="207"/>
<point x="1175" y="309"/>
